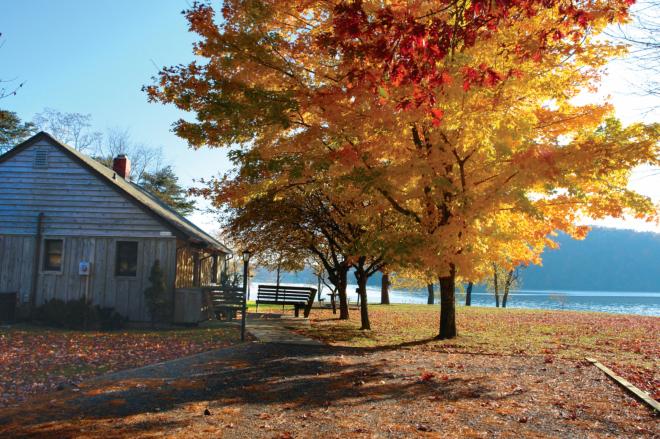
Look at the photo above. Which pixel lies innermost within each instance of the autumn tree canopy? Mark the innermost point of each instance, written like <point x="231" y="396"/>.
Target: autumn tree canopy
<point x="460" y="115"/>
<point x="335" y="225"/>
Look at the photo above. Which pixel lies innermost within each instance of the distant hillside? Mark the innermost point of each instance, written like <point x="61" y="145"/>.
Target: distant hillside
<point x="607" y="260"/>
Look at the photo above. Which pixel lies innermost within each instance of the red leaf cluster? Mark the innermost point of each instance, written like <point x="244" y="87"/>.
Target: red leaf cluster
<point x="426" y="376"/>
<point x="346" y="155"/>
<point x="405" y="47"/>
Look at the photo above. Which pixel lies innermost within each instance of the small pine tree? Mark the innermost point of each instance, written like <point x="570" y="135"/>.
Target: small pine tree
<point x="158" y="301"/>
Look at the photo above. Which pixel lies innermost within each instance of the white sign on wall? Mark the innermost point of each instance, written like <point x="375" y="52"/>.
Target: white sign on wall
<point x="85" y="268"/>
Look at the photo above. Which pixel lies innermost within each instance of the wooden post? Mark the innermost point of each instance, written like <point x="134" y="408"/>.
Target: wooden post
<point x="244" y="310"/>
<point x="196" y="269"/>
<point x="277" y="285"/>
<point x="214" y="269"/>
<point x="637" y="393"/>
<point x="35" y="265"/>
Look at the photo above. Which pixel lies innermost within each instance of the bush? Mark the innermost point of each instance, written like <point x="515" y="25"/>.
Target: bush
<point x="53" y="312"/>
<point x="109" y="319"/>
<point x="159" y="302"/>
<point x="78" y="314"/>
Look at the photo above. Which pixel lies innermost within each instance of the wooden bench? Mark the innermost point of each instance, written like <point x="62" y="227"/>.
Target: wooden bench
<point x="225" y="301"/>
<point x="299" y="297"/>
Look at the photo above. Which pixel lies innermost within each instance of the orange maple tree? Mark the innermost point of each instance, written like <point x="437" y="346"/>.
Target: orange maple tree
<point x="459" y="114"/>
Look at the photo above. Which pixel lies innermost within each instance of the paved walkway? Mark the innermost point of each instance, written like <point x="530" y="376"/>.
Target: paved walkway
<point x="265" y="328"/>
<point x="273" y="328"/>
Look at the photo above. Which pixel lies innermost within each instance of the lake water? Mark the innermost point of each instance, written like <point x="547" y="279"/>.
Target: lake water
<point x="603" y="301"/>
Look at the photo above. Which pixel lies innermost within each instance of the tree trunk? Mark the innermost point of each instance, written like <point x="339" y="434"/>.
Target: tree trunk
<point x="431" y="298"/>
<point x="361" y="277"/>
<point x="496" y="287"/>
<point x="333" y="301"/>
<point x="468" y="294"/>
<point x="448" y="305"/>
<point x="385" y="289"/>
<point x="507" y="286"/>
<point x="341" y="292"/>
<point x="277" y="284"/>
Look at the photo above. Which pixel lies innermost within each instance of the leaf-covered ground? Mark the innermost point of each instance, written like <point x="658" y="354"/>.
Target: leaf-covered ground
<point x="510" y="373"/>
<point x="36" y="359"/>
<point x="628" y="344"/>
<point x="267" y="390"/>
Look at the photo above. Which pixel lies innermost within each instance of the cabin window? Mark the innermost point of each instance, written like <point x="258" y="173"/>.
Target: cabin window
<point x="127" y="258"/>
<point x="53" y="251"/>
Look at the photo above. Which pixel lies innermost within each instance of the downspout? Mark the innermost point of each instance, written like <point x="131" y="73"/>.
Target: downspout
<point x="35" y="265"/>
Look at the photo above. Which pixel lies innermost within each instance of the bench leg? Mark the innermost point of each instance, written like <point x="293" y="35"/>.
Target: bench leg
<point x="297" y="311"/>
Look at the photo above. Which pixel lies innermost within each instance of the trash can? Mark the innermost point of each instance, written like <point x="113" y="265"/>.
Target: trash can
<point x="8" y="307"/>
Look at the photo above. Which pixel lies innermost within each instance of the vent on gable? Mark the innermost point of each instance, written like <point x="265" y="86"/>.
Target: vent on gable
<point x="41" y="158"/>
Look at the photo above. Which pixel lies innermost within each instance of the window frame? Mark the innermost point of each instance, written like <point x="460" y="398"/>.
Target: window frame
<point x="137" y="259"/>
<point x="44" y="255"/>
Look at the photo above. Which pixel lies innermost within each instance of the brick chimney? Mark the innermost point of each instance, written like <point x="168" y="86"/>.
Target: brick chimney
<point x="122" y="166"/>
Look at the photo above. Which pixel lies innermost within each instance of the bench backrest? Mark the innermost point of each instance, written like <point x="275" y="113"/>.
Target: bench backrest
<point x="225" y="297"/>
<point x="284" y="293"/>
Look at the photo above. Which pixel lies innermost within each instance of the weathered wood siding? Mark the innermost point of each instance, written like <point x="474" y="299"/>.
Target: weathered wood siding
<point x="90" y="216"/>
<point x="124" y="294"/>
<point x="185" y="266"/>
<point x="74" y="200"/>
<point x="16" y="254"/>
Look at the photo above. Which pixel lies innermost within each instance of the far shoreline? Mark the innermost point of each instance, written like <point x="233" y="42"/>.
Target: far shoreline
<point x="608" y="302"/>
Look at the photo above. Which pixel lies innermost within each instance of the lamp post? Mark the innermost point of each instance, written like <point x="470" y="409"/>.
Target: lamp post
<point x="246" y="260"/>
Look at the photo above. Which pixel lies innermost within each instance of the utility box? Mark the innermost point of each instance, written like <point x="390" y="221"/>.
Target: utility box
<point x="85" y="268"/>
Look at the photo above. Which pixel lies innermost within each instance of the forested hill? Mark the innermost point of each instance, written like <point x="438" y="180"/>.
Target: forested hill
<point x="607" y="260"/>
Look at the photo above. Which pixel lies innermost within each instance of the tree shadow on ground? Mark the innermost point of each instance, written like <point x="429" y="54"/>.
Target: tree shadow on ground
<point x="307" y="377"/>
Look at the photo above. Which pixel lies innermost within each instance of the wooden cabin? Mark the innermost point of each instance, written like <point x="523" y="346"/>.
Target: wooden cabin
<point x="70" y="227"/>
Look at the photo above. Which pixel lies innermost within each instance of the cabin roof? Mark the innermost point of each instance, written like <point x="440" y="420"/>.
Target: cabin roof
<point x="143" y="198"/>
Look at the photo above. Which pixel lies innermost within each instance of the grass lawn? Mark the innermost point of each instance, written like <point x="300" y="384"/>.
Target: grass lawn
<point x="35" y="359"/>
<point x="629" y="344"/>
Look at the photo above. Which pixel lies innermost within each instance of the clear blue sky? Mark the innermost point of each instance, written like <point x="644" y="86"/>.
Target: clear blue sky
<point x="93" y="56"/>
